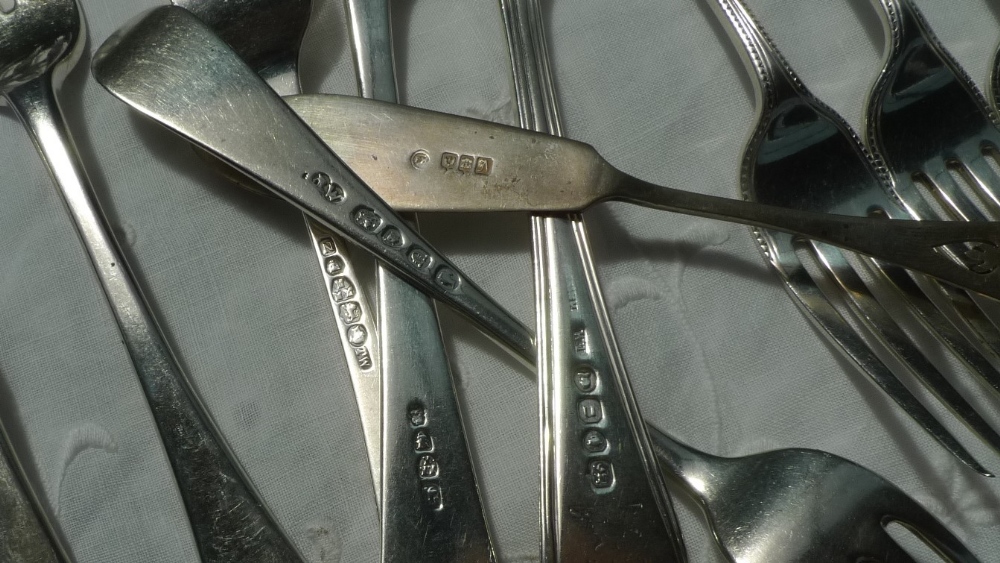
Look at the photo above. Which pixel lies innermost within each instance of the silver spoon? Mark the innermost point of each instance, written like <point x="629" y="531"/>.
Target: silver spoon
<point x="267" y="35"/>
<point x="42" y="40"/>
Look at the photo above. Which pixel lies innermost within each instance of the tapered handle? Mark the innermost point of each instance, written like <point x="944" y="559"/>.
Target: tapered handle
<point x="917" y="245"/>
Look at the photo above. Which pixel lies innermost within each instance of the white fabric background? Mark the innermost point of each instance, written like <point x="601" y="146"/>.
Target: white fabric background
<point x="718" y="354"/>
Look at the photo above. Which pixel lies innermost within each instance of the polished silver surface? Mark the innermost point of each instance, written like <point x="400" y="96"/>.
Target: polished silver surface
<point x="431" y="507"/>
<point x="603" y="498"/>
<point x="156" y="65"/>
<point x="936" y="136"/>
<point x="802" y="505"/>
<point x="26" y="534"/>
<point x="524" y="159"/>
<point x="39" y="42"/>
<point x="804" y="156"/>
<point x="267" y="34"/>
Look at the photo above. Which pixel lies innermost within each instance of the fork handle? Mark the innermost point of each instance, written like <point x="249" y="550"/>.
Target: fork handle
<point x="911" y="244"/>
<point x="228" y="518"/>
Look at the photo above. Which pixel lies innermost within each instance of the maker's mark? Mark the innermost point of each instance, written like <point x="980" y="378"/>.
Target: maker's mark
<point x="330" y="190"/>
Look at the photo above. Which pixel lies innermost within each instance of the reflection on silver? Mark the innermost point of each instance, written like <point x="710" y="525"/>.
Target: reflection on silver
<point x="156" y="65"/>
<point x="42" y="40"/>
<point x="357" y="129"/>
<point x="267" y="35"/>
<point x="804" y="156"/>
<point x="431" y="508"/>
<point x="603" y="497"/>
<point x="801" y="505"/>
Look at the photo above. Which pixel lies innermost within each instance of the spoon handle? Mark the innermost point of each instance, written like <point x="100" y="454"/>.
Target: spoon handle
<point x="917" y="245"/>
<point x="25" y="532"/>
<point x="603" y="496"/>
<point x="240" y="119"/>
<point x="228" y="518"/>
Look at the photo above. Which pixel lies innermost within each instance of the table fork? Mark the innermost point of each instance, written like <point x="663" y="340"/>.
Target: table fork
<point x="803" y="155"/>
<point x="41" y="40"/>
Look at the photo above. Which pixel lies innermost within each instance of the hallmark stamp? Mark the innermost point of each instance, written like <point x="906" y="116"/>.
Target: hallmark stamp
<point x="580" y="340"/>
<point x="392" y="237"/>
<point x="433" y="496"/>
<point x="367" y="218"/>
<point x="422" y="441"/>
<point x="417" y="415"/>
<point x="350" y="312"/>
<point x="590" y="411"/>
<point x="585" y="379"/>
<point x="357" y="335"/>
<point x="427" y="467"/>
<point x="982" y="257"/>
<point x="594" y="442"/>
<point x="327" y="247"/>
<point x="466" y="163"/>
<point x="449" y="160"/>
<point x="447" y="278"/>
<point x="341" y="289"/>
<point x="330" y="190"/>
<point x="601" y="473"/>
<point x="419" y="158"/>
<point x="484" y="165"/>
<point x="333" y="265"/>
<point x="419" y="257"/>
<point x="364" y="358"/>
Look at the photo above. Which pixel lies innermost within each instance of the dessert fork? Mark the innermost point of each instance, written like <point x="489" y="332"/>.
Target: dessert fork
<point x="764" y="507"/>
<point x="40" y="41"/>
<point x="803" y="155"/>
<point x="933" y="130"/>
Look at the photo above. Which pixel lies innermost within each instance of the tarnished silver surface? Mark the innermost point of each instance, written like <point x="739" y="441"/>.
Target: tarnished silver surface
<point x="156" y="66"/>
<point x="602" y="495"/>
<point x="581" y="177"/>
<point x="267" y="35"/>
<point x="431" y="507"/>
<point x="26" y="535"/>
<point x="39" y="42"/>
<point x="802" y="505"/>
<point x="802" y="155"/>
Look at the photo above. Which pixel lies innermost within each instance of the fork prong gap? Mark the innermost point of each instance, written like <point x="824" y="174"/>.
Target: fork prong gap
<point x="937" y="200"/>
<point x="973" y="190"/>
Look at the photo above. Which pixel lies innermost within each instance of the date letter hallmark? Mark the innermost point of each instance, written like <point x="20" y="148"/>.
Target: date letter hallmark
<point x="467" y="163"/>
<point x="330" y="190"/>
<point x="427" y="466"/>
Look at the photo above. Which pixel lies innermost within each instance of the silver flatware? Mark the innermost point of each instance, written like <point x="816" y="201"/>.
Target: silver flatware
<point x="430" y="505"/>
<point x="42" y="40"/>
<point x="801" y="505"/>
<point x="155" y="66"/>
<point x="267" y="34"/>
<point x="803" y="155"/>
<point x="420" y="167"/>
<point x="603" y="498"/>
<point x="936" y="136"/>
<point x="26" y="534"/>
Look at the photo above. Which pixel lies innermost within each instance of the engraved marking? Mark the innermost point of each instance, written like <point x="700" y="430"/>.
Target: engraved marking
<point x="580" y="340"/>
<point x="484" y="165"/>
<point x="585" y="379"/>
<point x="367" y="218"/>
<point x="364" y="358"/>
<point x="392" y="237"/>
<point x="327" y="247"/>
<point x="427" y="467"/>
<point x="330" y="190"/>
<point x="465" y="163"/>
<point x="449" y="160"/>
<point x="341" y="289"/>
<point x="595" y="442"/>
<point x="982" y="257"/>
<point x="419" y="257"/>
<point x="447" y="278"/>
<point x="334" y="265"/>
<point x="422" y="441"/>
<point x="417" y="415"/>
<point x="590" y="411"/>
<point x="601" y="473"/>
<point x="357" y="335"/>
<point x="350" y="312"/>
<point x="433" y="496"/>
<point x="419" y="158"/>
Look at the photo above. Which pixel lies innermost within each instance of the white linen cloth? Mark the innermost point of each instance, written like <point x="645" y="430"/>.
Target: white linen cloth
<point x="718" y="354"/>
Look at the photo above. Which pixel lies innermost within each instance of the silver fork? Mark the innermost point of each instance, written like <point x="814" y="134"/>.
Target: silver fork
<point x="603" y="498"/>
<point x="803" y="155"/>
<point x="933" y="130"/>
<point x="267" y="35"/>
<point x="42" y="40"/>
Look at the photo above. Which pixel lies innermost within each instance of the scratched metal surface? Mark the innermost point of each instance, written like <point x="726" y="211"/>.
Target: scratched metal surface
<point x="717" y="353"/>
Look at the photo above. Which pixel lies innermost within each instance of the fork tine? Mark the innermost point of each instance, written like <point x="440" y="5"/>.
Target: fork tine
<point x="921" y="523"/>
<point x="933" y="319"/>
<point x="895" y="341"/>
